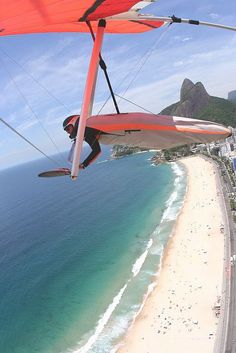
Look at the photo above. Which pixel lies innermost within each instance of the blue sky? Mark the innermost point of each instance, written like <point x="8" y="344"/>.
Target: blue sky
<point x="59" y="62"/>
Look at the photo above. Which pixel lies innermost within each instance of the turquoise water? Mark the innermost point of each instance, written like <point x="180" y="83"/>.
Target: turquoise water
<point x="77" y="258"/>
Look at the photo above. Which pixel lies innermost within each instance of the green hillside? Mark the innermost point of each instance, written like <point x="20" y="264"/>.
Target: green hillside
<point x="219" y="110"/>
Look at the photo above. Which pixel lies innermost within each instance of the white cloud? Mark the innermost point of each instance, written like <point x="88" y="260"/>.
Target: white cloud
<point x="26" y="125"/>
<point x="178" y="63"/>
<point x="181" y="38"/>
<point x="214" y="16"/>
<point x="186" y="39"/>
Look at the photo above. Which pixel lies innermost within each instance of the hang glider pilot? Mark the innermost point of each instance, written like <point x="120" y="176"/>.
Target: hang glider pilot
<point x="91" y="136"/>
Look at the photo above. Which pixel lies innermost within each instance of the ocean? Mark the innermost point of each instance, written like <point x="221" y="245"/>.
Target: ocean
<point x="78" y="258"/>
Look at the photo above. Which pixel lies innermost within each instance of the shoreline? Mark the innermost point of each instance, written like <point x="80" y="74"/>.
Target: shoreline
<point x="178" y="315"/>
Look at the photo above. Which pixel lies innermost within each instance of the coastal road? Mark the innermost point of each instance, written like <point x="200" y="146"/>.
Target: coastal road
<point x="222" y="330"/>
<point x="226" y="333"/>
<point x="230" y="339"/>
<point x="231" y="333"/>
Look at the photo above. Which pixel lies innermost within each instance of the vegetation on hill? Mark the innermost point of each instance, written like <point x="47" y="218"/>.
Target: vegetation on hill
<point x="219" y="110"/>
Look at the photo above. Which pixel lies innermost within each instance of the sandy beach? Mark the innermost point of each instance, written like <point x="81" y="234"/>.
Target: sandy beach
<point x="178" y="315"/>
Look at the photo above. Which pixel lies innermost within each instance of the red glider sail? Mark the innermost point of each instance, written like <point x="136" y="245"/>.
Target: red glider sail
<point x="43" y="16"/>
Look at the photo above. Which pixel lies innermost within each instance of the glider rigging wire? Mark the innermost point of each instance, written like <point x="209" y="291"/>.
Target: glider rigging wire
<point x="137" y="105"/>
<point x="35" y="80"/>
<point x="31" y="109"/>
<point x="28" y="141"/>
<point x="140" y="63"/>
<point x="146" y="57"/>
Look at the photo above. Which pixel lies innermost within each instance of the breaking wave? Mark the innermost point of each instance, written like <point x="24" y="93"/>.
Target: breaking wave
<point x="174" y="202"/>
<point x="140" y="261"/>
<point x="102" y="322"/>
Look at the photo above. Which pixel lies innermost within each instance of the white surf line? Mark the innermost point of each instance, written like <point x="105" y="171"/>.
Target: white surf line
<point x="140" y="261"/>
<point x="170" y="213"/>
<point x="102" y="322"/>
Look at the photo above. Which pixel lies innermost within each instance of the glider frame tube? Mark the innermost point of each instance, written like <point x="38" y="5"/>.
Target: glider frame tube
<point x="88" y="97"/>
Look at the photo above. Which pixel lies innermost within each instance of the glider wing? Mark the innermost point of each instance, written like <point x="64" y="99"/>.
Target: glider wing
<point x="155" y="131"/>
<point x="43" y="16"/>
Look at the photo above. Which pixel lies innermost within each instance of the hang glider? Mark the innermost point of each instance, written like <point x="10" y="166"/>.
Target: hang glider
<point x="112" y="16"/>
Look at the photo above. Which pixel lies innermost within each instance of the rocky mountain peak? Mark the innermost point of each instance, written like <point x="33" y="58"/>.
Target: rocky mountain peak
<point x="193" y="97"/>
<point x="187" y="86"/>
<point x="191" y="91"/>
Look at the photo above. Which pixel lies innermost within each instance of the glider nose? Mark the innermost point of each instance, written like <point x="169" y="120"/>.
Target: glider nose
<point x="230" y="131"/>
